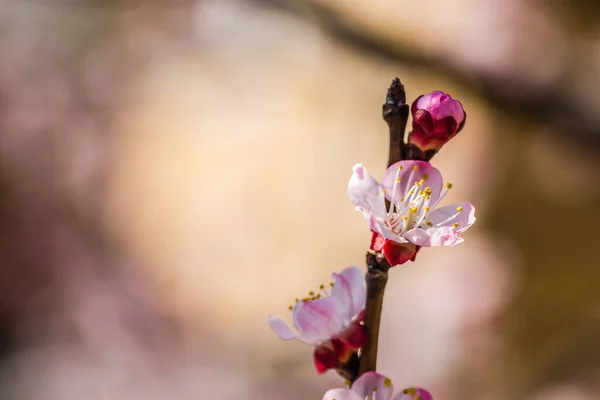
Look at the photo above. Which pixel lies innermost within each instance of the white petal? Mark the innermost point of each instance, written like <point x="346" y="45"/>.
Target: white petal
<point x="366" y="384"/>
<point x="443" y="236"/>
<point x="365" y="192"/>
<point x="341" y="394"/>
<point x="465" y="218"/>
<point x="282" y="328"/>
<point x="349" y="289"/>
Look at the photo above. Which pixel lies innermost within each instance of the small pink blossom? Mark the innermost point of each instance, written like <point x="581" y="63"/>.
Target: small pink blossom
<point x="413" y="219"/>
<point x="437" y="118"/>
<point x="330" y="321"/>
<point x="374" y="386"/>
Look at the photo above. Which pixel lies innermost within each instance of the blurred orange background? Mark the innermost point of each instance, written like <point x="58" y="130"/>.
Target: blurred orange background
<point x="171" y="172"/>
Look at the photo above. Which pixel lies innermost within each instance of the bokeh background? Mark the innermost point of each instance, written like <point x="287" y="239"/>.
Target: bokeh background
<point x="173" y="171"/>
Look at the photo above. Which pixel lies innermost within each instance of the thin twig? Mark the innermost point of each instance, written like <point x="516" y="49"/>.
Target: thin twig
<point x="395" y="113"/>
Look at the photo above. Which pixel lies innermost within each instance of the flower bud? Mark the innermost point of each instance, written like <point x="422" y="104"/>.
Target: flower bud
<point x="437" y="118"/>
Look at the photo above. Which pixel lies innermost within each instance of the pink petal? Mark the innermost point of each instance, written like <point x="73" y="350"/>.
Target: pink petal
<point x="319" y="319"/>
<point x="465" y="218"/>
<point x="341" y="394"/>
<point x="349" y="289"/>
<point x="365" y="192"/>
<point x="430" y="102"/>
<point x="450" y="108"/>
<point x="355" y="336"/>
<point x="432" y="177"/>
<point x="443" y="236"/>
<point x="414" y="394"/>
<point x="441" y="105"/>
<point x="398" y="253"/>
<point x="366" y="384"/>
<point x="282" y="328"/>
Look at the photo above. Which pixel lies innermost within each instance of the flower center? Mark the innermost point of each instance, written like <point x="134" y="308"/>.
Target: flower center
<point x="410" y="209"/>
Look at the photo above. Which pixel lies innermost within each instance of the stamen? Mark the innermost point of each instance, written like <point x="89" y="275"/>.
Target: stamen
<point x="448" y="187"/>
<point x="459" y="209"/>
<point x="455" y="225"/>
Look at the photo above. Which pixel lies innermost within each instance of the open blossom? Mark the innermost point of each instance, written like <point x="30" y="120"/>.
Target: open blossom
<point x="414" y="189"/>
<point x="374" y="386"/>
<point x="331" y="321"/>
<point x="437" y="118"/>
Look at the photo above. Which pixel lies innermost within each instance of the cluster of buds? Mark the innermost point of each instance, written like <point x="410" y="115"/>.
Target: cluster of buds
<point x="404" y="214"/>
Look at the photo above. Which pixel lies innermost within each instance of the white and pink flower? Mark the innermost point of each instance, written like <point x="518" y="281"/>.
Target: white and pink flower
<point x="374" y="386"/>
<point x="412" y="220"/>
<point x="329" y="320"/>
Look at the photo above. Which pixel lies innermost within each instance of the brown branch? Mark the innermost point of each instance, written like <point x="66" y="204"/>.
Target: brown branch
<point x="395" y="113"/>
<point x="377" y="276"/>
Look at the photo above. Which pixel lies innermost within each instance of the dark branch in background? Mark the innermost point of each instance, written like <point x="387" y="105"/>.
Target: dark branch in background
<point x="530" y="103"/>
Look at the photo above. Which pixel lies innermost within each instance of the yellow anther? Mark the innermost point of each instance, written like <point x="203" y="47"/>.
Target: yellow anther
<point x="311" y="293"/>
<point x="402" y="199"/>
<point x="426" y="208"/>
<point x="429" y="223"/>
<point x="374" y="389"/>
<point x="449" y="185"/>
<point x="347" y="383"/>
<point x="304" y="300"/>
<point x="387" y="382"/>
<point x="297" y="299"/>
<point x="398" y="180"/>
<point x="318" y="296"/>
<point x="455" y="225"/>
<point x="410" y="391"/>
<point x="404" y="217"/>
<point x="331" y="284"/>
<point x="459" y="209"/>
<point x="415" y="168"/>
<point x="427" y="191"/>
<point x="413" y="210"/>
<point x="321" y="286"/>
<point x="425" y="176"/>
<point x="400" y="167"/>
<point x="290" y="308"/>
<point x="384" y="191"/>
<point x="422" y="182"/>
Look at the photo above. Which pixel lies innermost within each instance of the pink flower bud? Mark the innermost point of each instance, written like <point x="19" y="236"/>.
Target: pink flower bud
<point x="437" y="118"/>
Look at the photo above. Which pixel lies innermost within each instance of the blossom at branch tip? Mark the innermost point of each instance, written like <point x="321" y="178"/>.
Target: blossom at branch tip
<point x="437" y="118"/>
<point x="414" y="189"/>
<point x="329" y="320"/>
<point x="374" y="386"/>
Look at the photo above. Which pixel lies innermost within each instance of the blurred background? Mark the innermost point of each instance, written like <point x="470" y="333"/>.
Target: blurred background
<point x="173" y="171"/>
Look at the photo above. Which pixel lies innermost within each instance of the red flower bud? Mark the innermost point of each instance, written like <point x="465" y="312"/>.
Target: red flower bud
<point x="437" y="118"/>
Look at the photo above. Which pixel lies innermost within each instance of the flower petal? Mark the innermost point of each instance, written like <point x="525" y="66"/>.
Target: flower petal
<point x="424" y="170"/>
<point x="443" y="236"/>
<point x="282" y="328"/>
<point x="355" y="336"/>
<point x="319" y="319"/>
<point x="378" y="386"/>
<point x="398" y="253"/>
<point x="349" y="289"/>
<point x="414" y="394"/>
<point x="465" y="218"/>
<point x="365" y="192"/>
<point x="341" y="394"/>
